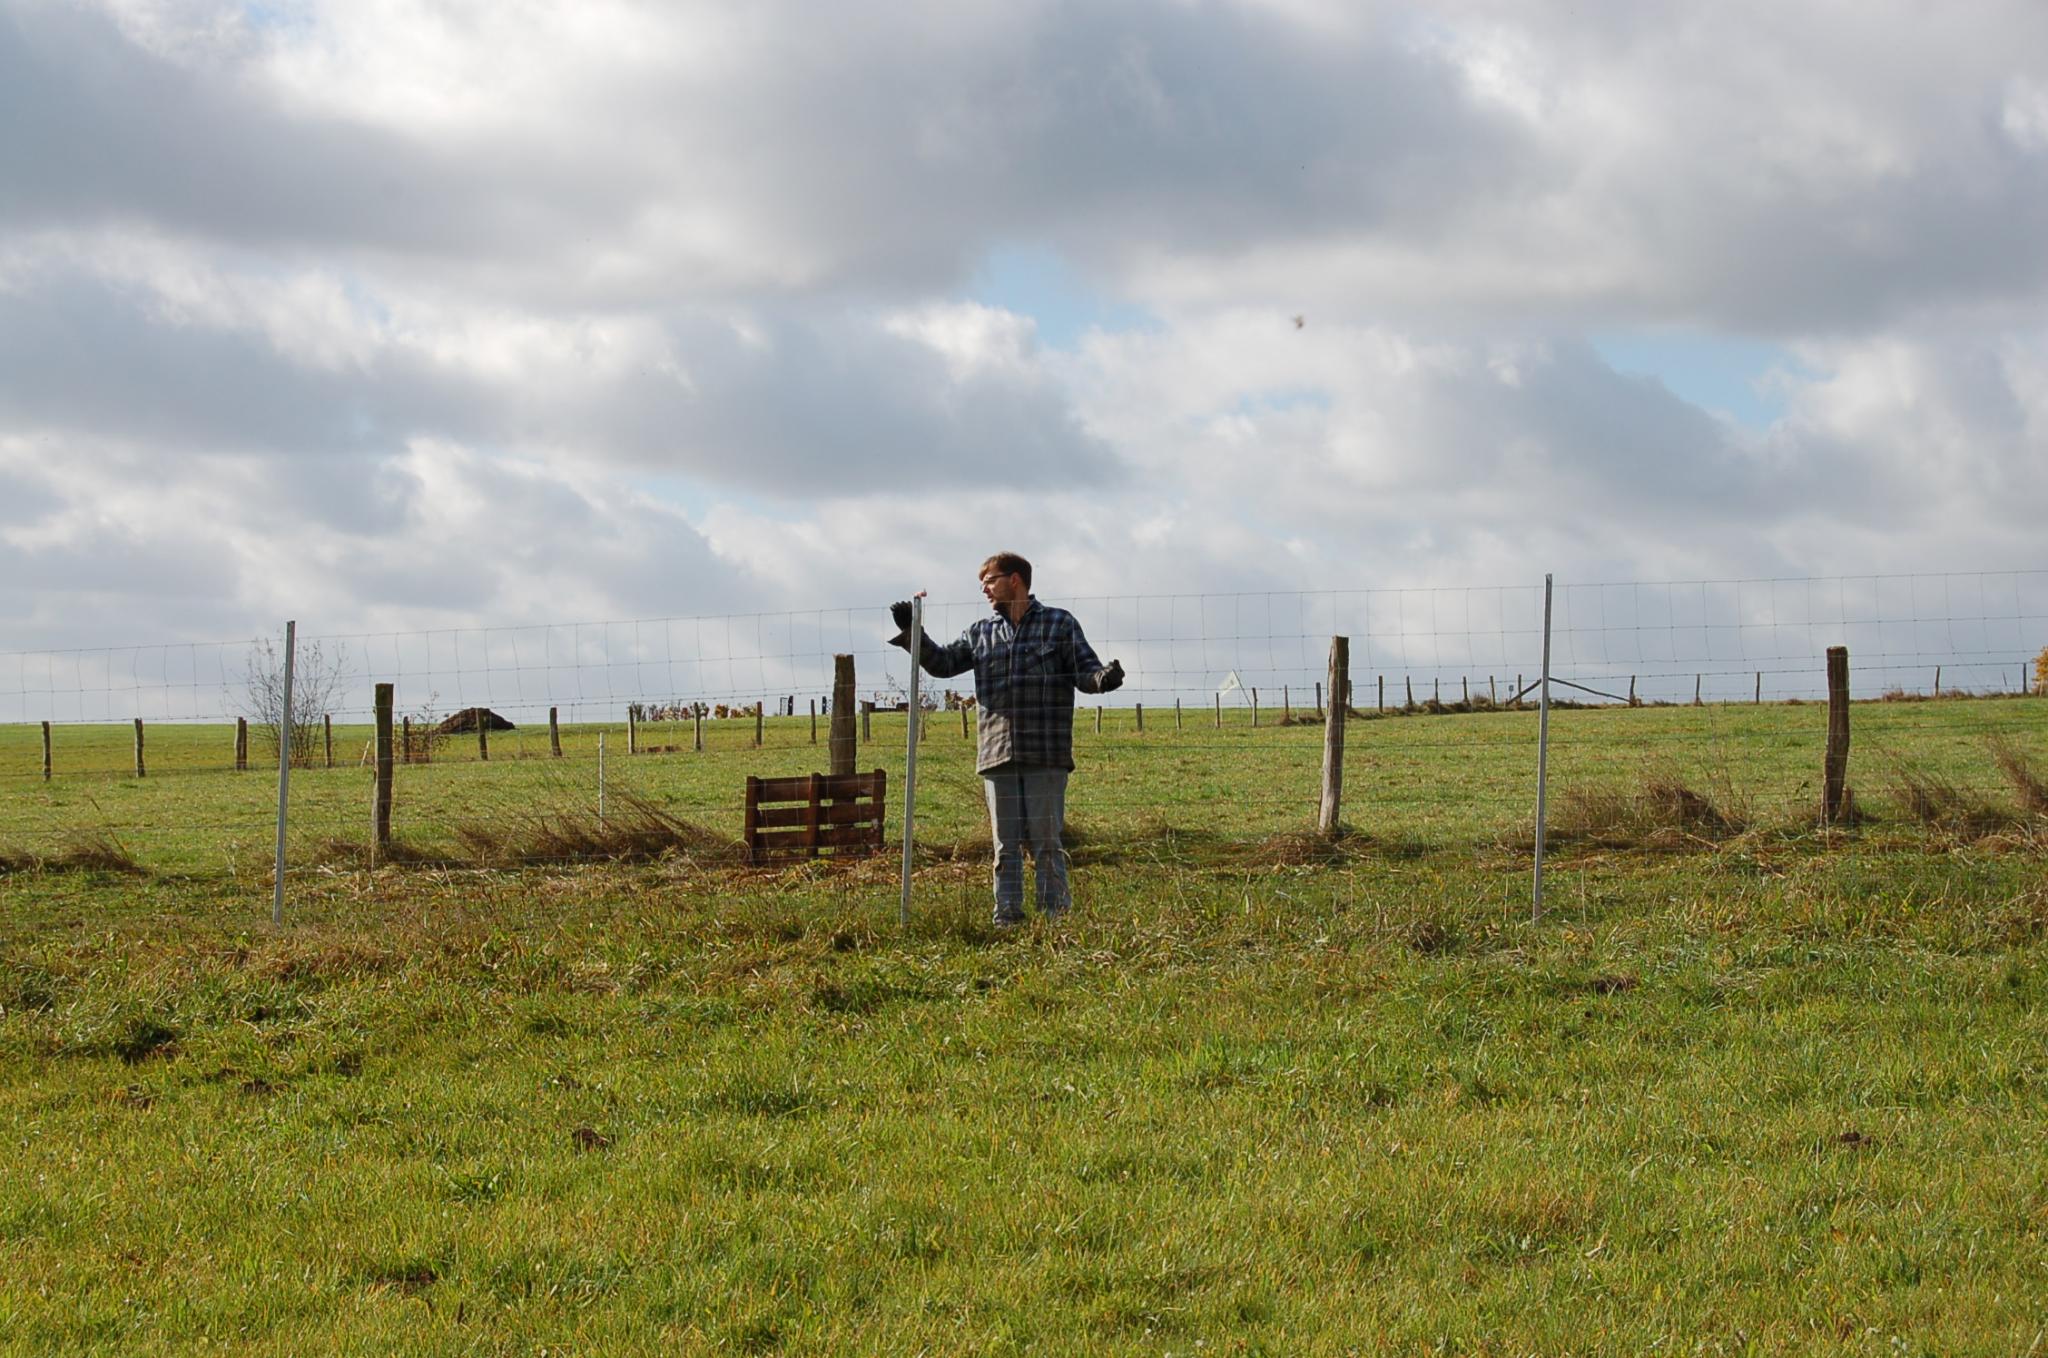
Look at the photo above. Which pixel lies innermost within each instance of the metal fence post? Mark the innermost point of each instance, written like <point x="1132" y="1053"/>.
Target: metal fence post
<point x="1542" y="755"/>
<point x="284" y="770"/>
<point x="910" y="750"/>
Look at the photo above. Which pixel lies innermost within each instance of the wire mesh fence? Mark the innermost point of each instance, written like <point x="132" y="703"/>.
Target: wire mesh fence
<point x="1682" y="709"/>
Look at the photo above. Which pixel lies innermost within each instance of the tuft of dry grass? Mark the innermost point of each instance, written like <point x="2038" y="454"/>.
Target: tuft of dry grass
<point x="2028" y="784"/>
<point x="85" y="851"/>
<point x="1941" y="804"/>
<point x="633" y="830"/>
<point x="1662" y="811"/>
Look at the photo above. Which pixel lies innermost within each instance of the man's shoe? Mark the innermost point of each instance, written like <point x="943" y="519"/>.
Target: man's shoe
<point x="1009" y="921"/>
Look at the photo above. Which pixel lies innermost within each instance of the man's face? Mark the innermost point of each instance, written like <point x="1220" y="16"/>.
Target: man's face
<point x="1002" y="587"/>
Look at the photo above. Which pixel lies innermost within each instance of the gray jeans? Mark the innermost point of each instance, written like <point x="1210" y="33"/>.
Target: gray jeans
<point x="1027" y="809"/>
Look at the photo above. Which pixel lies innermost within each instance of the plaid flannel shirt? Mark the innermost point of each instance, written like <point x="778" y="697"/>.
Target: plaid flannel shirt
<point x="1025" y="675"/>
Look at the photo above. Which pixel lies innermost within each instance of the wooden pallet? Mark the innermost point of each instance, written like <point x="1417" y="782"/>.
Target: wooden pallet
<point x="799" y="817"/>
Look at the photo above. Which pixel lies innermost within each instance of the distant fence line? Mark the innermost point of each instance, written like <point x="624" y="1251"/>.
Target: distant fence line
<point x="1712" y="641"/>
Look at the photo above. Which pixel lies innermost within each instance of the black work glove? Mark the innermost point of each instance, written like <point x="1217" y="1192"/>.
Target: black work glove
<point x="1113" y="677"/>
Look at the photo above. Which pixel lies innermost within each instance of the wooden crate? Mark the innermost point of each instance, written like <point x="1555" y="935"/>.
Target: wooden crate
<point x="798" y="817"/>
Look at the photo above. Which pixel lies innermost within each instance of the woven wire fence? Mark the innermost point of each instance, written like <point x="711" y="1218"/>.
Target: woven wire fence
<point x="1692" y="709"/>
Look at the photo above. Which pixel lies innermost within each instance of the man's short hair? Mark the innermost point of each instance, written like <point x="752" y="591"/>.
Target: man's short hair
<point x="1008" y="563"/>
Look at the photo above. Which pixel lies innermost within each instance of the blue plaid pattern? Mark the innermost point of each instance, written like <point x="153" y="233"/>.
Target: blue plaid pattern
<point x="1025" y="677"/>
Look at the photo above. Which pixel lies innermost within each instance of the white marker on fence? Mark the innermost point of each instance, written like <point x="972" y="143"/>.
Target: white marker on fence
<point x="910" y="750"/>
<point x="1542" y="755"/>
<point x="284" y="771"/>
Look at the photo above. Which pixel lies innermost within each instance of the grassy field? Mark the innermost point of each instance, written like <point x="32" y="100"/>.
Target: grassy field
<point x="1749" y="1088"/>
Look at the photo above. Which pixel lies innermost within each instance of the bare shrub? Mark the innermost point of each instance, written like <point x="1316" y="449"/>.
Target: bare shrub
<point x="2028" y="785"/>
<point x="318" y="677"/>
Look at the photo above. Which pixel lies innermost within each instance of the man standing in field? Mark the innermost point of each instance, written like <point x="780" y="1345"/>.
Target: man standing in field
<point x="1028" y="660"/>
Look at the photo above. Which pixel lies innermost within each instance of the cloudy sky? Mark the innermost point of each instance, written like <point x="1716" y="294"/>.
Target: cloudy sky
<point x="383" y="315"/>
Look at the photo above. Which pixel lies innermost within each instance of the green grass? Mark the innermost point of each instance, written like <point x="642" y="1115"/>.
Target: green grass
<point x="1777" y="1091"/>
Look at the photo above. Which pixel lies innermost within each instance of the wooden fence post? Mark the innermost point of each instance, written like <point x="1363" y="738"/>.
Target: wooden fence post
<point x="1408" y="682"/>
<point x="867" y="720"/>
<point x="1835" y="767"/>
<point x="632" y="729"/>
<point x="1937" y="681"/>
<point x="380" y="806"/>
<point x="242" y="744"/>
<point x="140" y="772"/>
<point x="1319" y="700"/>
<point x="1760" y="686"/>
<point x="1492" y="693"/>
<point x="46" y="752"/>
<point x="483" y="734"/>
<point x="1518" y="693"/>
<point x="1141" y="718"/>
<point x="1255" y="707"/>
<point x="1632" y="692"/>
<point x="1333" y="736"/>
<point x="839" y="740"/>
<point x="1219" y="711"/>
<point x="405" y="745"/>
<point x="1098" y="719"/>
<point x="1465" y="686"/>
<point x="1286" y="704"/>
<point x="327" y="735"/>
<point x="1696" y="690"/>
<point x="965" y="733"/>
<point x="1383" y="693"/>
<point x="554" y="733"/>
<point x="760" y="710"/>
<point x="814" y="721"/>
<point x="1176" y="714"/>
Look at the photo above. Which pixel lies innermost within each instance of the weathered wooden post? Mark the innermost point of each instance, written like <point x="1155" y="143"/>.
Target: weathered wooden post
<point x="965" y="733"/>
<point x="632" y="728"/>
<point x="1333" y="738"/>
<point x="327" y="735"/>
<point x="1141" y="718"/>
<point x="1760" y="685"/>
<point x="697" y="736"/>
<point x="1219" y="711"/>
<point x="483" y="733"/>
<point x="1492" y="692"/>
<point x="867" y="720"/>
<point x="1835" y="766"/>
<point x="242" y="744"/>
<point x="1176" y="714"/>
<point x="46" y="752"/>
<point x="1518" y="693"/>
<point x="1937" y="681"/>
<point x="1255" y="707"/>
<point x="140" y="772"/>
<point x="839" y="740"/>
<point x="1383" y="692"/>
<point x="1696" y="690"/>
<point x="814" y="721"/>
<point x="1465" y="685"/>
<point x="1408" y="682"/>
<point x="1286" y="705"/>
<point x="380" y="804"/>
<point x="554" y="733"/>
<point x="405" y="745"/>
<point x="1098" y="719"/>
<point x="1632" y="692"/>
<point x="760" y="710"/>
<point x="1319" y="700"/>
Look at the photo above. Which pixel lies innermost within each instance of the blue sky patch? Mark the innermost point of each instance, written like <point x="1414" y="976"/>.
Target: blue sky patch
<point x="1715" y="372"/>
<point x="1037" y="281"/>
